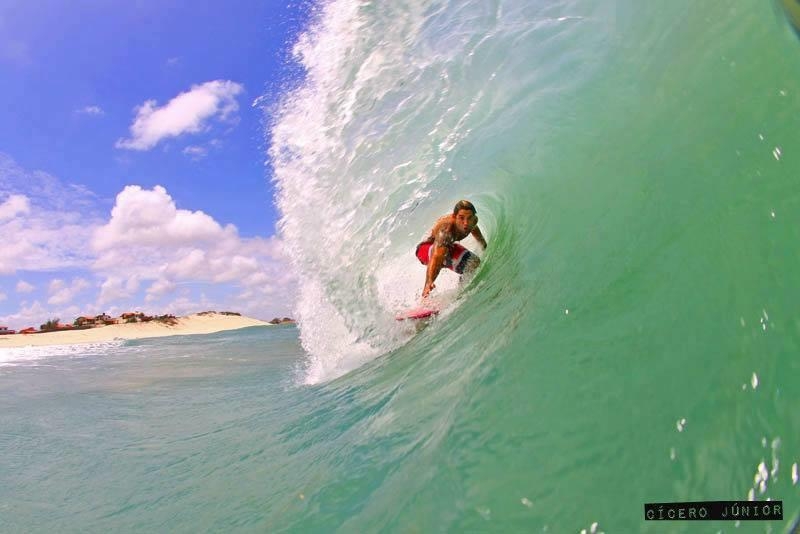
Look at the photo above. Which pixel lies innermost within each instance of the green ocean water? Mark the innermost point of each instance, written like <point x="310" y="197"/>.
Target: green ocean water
<point x="632" y="335"/>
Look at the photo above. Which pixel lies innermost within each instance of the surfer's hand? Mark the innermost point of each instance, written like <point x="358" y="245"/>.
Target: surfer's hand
<point x="427" y="289"/>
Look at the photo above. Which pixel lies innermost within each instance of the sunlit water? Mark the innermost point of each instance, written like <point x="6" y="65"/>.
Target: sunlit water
<point x="632" y="336"/>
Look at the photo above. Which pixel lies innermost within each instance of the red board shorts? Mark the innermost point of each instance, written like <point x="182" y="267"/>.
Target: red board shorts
<point x="456" y="260"/>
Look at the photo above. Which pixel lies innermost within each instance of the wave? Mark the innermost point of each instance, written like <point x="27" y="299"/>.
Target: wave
<point x="403" y="111"/>
<point x="12" y="357"/>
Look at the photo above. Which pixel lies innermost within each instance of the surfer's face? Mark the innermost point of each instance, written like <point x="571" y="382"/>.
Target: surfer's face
<point x="466" y="221"/>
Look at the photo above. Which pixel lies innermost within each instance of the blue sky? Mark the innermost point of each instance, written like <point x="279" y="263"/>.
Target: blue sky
<point x="133" y="157"/>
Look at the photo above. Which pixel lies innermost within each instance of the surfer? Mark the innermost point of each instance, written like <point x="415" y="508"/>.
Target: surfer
<point x="441" y="250"/>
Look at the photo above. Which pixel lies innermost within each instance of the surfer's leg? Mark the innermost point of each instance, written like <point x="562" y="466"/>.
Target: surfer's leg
<point x="423" y="252"/>
<point x="471" y="265"/>
<point x="464" y="261"/>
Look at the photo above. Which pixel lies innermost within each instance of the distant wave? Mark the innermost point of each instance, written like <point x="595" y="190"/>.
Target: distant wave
<point x="31" y="355"/>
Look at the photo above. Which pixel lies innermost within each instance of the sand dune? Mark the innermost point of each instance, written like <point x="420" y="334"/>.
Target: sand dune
<point x="191" y="324"/>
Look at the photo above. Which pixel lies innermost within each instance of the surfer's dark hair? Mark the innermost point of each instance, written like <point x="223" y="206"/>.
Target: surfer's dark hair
<point x="464" y="205"/>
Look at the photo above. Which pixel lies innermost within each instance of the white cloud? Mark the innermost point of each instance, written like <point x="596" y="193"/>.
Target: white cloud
<point x="147" y="250"/>
<point x="43" y="241"/>
<point x="159" y="288"/>
<point x="42" y="228"/>
<point x="143" y="217"/>
<point x="55" y="285"/>
<point x="13" y="206"/>
<point x="116" y="288"/>
<point x="61" y="293"/>
<point x="149" y="238"/>
<point x="28" y="315"/>
<point x="184" y="305"/>
<point x="36" y="314"/>
<point x="3" y="296"/>
<point x="196" y="152"/>
<point x="24" y="287"/>
<point x="44" y="190"/>
<point x="186" y="113"/>
<point x="90" y="110"/>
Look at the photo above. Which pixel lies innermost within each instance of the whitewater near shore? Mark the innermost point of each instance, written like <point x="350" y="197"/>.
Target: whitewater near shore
<point x="190" y="324"/>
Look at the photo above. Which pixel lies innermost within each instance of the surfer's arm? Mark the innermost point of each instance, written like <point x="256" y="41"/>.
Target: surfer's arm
<point x="442" y="241"/>
<point x="438" y="255"/>
<point x="476" y="233"/>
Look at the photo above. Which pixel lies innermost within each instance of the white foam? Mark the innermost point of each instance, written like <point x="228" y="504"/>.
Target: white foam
<point x="25" y="355"/>
<point x="355" y="166"/>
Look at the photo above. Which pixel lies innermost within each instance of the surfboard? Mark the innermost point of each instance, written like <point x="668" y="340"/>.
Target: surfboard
<point x="417" y="313"/>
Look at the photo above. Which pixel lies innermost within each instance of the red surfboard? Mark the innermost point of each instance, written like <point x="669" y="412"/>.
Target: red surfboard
<point x="417" y="313"/>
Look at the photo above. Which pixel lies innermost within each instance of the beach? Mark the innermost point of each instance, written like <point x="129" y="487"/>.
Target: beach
<point x="190" y="324"/>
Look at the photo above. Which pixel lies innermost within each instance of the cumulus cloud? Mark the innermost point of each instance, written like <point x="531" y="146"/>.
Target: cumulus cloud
<point x="149" y="238"/>
<point x="36" y="313"/>
<point x="27" y="315"/>
<point x="184" y="304"/>
<point x="189" y="112"/>
<point x="116" y="288"/>
<point x="159" y="288"/>
<point x="90" y="110"/>
<point x="62" y="293"/>
<point x="149" y="217"/>
<point x="44" y="222"/>
<point x="24" y="287"/>
<point x="13" y="206"/>
<point x="44" y="190"/>
<point x="146" y="250"/>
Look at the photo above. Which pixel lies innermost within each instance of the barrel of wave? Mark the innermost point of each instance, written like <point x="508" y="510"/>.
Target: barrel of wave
<point x="400" y="280"/>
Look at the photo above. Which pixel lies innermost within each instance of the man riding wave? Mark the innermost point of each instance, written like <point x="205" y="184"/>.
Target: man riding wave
<point x="440" y="248"/>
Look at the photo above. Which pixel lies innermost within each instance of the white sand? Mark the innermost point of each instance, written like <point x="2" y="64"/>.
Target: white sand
<point x="191" y="324"/>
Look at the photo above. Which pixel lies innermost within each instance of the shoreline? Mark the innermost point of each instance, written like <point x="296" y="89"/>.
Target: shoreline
<point x="187" y="325"/>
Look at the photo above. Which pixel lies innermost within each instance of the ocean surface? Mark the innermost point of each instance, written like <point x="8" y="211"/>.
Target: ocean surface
<point x="632" y="336"/>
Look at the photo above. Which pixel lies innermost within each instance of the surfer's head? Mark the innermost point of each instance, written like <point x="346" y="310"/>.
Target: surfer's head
<point x="464" y="205"/>
<point x="464" y="215"/>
